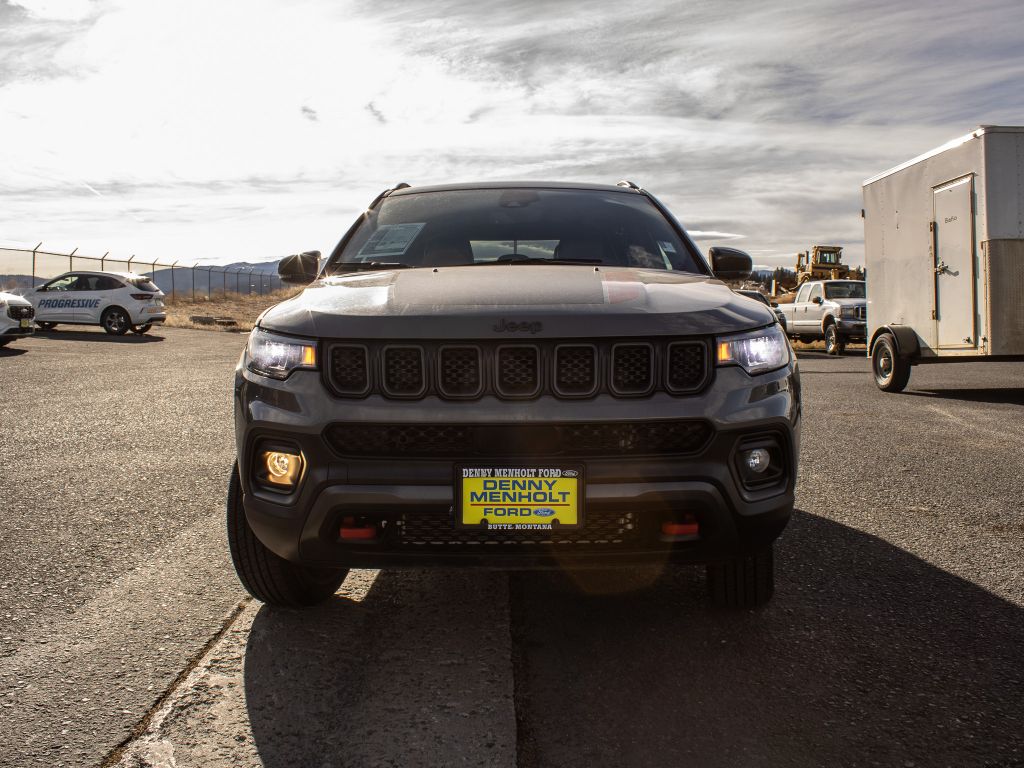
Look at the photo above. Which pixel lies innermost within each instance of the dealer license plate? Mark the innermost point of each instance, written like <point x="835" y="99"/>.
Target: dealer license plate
<point x="519" y="498"/>
<point x="25" y="323"/>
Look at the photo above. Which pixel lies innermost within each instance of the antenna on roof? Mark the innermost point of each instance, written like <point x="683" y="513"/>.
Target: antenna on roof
<point x="629" y="185"/>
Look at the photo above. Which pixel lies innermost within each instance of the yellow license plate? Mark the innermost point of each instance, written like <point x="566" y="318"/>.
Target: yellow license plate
<point x="520" y="498"/>
<point x="25" y="323"/>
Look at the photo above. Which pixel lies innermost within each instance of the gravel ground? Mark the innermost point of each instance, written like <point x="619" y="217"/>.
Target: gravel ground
<point x="893" y="639"/>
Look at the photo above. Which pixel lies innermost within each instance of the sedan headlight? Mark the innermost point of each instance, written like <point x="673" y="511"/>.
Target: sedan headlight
<point x="755" y="352"/>
<point x="277" y="356"/>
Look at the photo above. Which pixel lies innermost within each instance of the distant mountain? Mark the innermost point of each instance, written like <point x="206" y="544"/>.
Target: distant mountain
<point x="255" y="266"/>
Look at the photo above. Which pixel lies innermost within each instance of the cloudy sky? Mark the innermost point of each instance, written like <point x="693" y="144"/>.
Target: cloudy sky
<point x="246" y="129"/>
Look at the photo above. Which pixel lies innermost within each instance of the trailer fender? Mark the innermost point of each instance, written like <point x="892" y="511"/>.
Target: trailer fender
<point x="907" y="345"/>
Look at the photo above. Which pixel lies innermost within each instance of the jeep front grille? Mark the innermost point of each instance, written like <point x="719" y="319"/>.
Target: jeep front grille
<point x="666" y="437"/>
<point x="460" y="373"/>
<point x="403" y="371"/>
<point x="349" y="368"/>
<point x="575" y="370"/>
<point x="567" y="369"/>
<point x="518" y="371"/>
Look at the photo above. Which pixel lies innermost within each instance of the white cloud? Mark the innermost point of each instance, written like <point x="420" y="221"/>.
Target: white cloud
<point x="246" y="129"/>
<point x="63" y="10"/>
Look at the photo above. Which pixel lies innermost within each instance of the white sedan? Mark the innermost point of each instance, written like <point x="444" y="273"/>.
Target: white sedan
<point x="117" y="301"/>
<point x="15" y="318"/>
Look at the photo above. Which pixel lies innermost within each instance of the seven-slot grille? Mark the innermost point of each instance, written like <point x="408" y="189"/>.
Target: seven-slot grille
<point x="664" y="437"/>
<point x="20" y="312"/>
<point x="467" y="370"/>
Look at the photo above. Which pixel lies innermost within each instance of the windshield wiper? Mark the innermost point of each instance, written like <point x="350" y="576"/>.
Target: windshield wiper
<point x="359" y="266"/>
<point x="541" y="260"/>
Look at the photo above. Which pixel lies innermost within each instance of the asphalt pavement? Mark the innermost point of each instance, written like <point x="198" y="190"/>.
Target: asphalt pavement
<point x="894" y="637"/>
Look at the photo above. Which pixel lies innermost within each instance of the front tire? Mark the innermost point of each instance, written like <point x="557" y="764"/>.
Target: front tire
<point x="141" y="329"/>
<point x="834" y="343"/>
<point x="743" y="582"/>
<point x="46" y="326"/>
<point x="891" y="371"/>
<point x="266" y="576"/>
<point x="115" y="321"/>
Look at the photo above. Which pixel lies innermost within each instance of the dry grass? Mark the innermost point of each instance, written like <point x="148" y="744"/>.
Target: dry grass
<point x="242" y="308"/>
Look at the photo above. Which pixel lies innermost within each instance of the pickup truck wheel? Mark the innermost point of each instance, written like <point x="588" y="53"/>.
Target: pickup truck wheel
<point x="891" y="371"/>
<point x="834" y="343"/>
<point x="267" y="577"/>
<point x="743" y="582"/>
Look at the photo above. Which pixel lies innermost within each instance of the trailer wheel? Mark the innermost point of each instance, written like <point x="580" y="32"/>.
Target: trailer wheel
<point x="834" y="343"/>
<point x="891" y="371"/>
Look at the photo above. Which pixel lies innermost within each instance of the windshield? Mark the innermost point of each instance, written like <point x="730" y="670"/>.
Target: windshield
<point x="517" y="225"/>
<point x="851" y="290"/>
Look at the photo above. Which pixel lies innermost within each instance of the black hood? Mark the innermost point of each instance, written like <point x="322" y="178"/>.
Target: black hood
<point x="515" y="301"/>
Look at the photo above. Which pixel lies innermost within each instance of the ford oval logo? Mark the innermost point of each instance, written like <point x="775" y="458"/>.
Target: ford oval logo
<point x="543" y="512"/>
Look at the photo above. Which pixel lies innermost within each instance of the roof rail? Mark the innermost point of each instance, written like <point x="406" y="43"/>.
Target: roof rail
<point x="629" y="185"/>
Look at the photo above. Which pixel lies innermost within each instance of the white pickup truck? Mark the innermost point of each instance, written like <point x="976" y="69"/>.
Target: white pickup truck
<point x="833" y="310"/>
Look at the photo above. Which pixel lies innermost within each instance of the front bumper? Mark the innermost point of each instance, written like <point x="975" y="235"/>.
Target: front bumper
<point x="852" y="328"/>
<point x="412" y="500"/>
<point x="8" y="330"/>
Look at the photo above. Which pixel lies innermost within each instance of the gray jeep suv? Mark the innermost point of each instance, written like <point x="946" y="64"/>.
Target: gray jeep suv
<point x="513" y="375"/>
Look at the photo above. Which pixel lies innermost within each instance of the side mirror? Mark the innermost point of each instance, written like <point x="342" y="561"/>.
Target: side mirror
<point x="730" y="263"/>
<point x="300" y="269"/>
<point x="817" y="300"/>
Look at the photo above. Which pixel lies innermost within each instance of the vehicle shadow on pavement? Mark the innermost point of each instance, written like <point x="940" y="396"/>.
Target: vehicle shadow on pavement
<point x="11" y="351"/>
<point x="813" y="354"/>
<point x="867" y="654"/>
<point x="1011" y="395"/>
<point x="128" y="338"/>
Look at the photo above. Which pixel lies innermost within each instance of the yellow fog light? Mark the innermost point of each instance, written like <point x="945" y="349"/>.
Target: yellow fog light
<point x="282" y="468"/>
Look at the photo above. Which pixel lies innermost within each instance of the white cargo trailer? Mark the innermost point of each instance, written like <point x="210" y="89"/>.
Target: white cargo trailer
<point x="944" y="251"/>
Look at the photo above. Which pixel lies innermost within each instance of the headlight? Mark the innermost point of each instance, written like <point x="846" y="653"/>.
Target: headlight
<point x="755" y="352"/>
<point x="847" y="311"/>
<point x="277" y="356"/>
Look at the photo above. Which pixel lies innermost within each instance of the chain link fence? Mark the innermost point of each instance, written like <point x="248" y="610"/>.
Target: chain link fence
<point x="22" y="270"/>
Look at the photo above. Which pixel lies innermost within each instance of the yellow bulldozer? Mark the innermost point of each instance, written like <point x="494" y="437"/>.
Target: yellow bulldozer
<point x="822" y="262"/>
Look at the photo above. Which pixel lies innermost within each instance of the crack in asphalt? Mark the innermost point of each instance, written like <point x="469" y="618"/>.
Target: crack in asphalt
<point x="148" y="720"/>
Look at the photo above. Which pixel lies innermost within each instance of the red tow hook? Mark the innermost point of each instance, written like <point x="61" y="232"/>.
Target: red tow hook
<point x="680" y="530"/>
<point x="352" y="531"/>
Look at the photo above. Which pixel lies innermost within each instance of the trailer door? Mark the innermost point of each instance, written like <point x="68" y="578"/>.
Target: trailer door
<point x="953" y="250"/>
